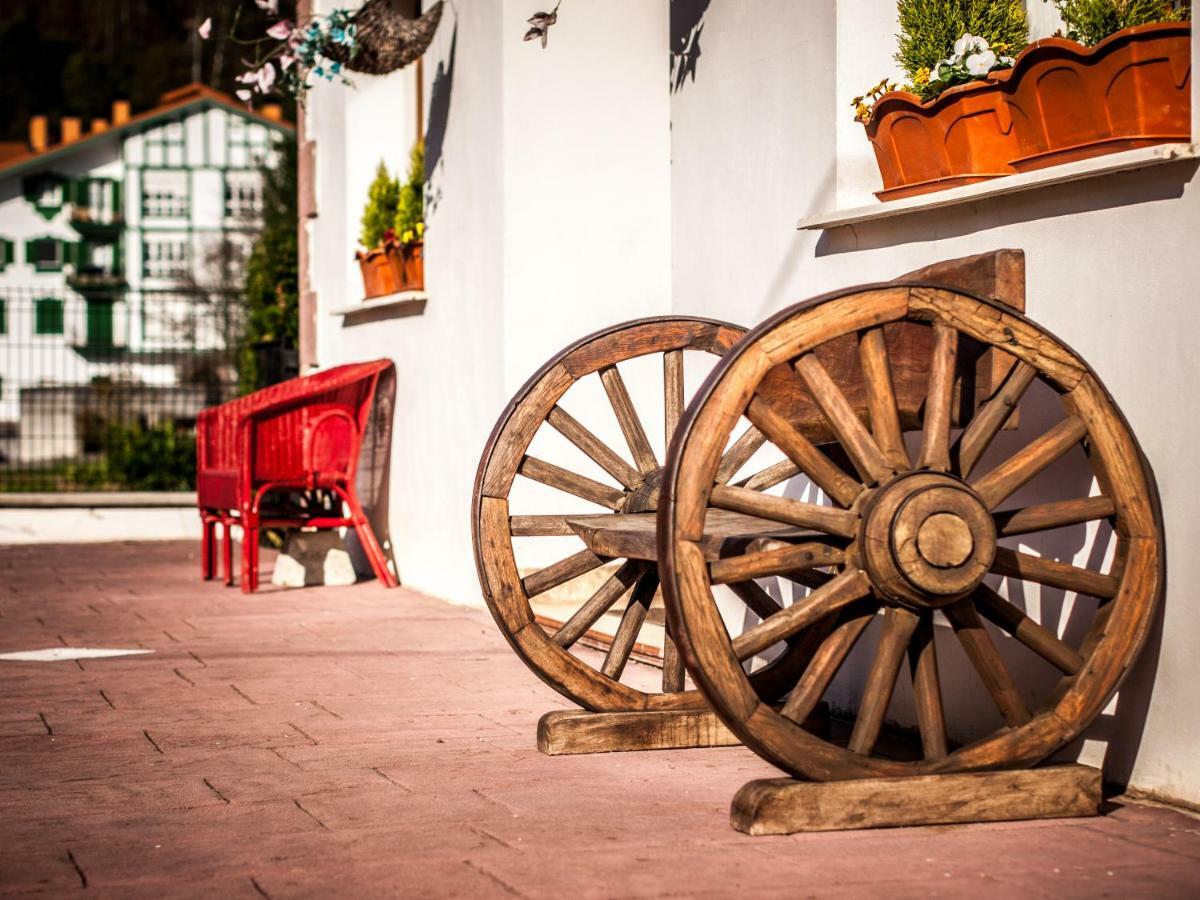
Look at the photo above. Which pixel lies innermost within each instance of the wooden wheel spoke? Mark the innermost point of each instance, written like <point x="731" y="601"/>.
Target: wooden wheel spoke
<point x="898" y="627"/>
<point x="674" y="399"/>
<point x="868" y="459"/>
<point x="540" y="526"/>
<point x="881" y="397"/>
<point x="759" y="601"/>
<point x="561" y="572"/>
<point x="739" y="454"/>
<point x="1008" y="617"/>
<point x="1045" y="516"/>
<point x="627" y="417"/>
<point x="988" y="421"/>
<point x="631" y="624"/>
<point x="673" y="669"/>
<point x="987" y="662"/>
<point x="570" y="482"/>
<point x="774" y="561"/>
<point x="595" y="449"/>
<point x="801" y="451"/>
<point x="774" y="474"/>
<point x="826" y="519"/>
<point x="1014" y="564"/>
<point x="819" y="672"/>
<point x="1022" y="466"/>
<point x="927" y="692"/>
<point x="935" y="445"/>
<point x="598" y="604"/>
<point x="841" y="591"/>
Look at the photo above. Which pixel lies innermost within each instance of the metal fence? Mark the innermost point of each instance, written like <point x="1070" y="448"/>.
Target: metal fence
<point x="99" y="390"/>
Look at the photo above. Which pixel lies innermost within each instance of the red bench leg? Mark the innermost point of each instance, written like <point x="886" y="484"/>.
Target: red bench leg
<point x="227" y="550"/>
<point x="207" y="541"/>
<point x="370" y="544"/>
<point x="249" y="552"/>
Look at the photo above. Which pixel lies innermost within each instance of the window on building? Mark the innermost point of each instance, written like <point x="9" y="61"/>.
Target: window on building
<point x="165" y="195"/>
<point x="45" y="254"/>
<point x="45" y="192"/>
<point x="166" y="258"/>
<point x="96" y="200"/>
<point x="8" y="253"/>
<point x="3" y="316"/>
<point x="164" y="146"/>
<point x="243" y="195"/>
<point x="99" y="323"/>
<point x="48" y="316"/>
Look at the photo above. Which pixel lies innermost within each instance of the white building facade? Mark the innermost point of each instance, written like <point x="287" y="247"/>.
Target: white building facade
<point x="112" y="237"/>
<point x="657" y="158"/>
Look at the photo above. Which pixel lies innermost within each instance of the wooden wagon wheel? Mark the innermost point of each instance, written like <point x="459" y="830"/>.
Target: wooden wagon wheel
<point x="622" y="535"/>
<point x="914" y="536"/>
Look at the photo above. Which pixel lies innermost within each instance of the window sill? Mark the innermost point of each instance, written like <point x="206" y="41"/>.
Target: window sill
<point x="1011" y="184"/>
<point x="389" y="306"/>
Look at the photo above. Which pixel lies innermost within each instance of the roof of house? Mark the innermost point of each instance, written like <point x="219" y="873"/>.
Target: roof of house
<point x="169" y="104"/>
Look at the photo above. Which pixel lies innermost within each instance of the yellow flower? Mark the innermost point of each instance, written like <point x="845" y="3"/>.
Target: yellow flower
<point x="420" y="229"/>
<point x="407" y="236"/>
<point x="921" y="76"/>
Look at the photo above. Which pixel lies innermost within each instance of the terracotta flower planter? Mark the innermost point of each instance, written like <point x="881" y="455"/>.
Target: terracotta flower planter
<point x="378" y="272"/>
<point x="1071" y="102"/>
<point x="408" y="260"/>
<point x="962" y="136"/>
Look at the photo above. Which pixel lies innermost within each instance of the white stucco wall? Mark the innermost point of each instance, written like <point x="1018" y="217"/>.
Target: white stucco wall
<point x="1111" y="269"/>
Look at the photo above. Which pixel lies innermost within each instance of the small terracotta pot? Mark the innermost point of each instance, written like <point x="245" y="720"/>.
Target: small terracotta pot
<point x="1071" y="102"/>
<point x="408" y="262"/>
<point x="378" y="272"/>
<point x="962" y="136"/>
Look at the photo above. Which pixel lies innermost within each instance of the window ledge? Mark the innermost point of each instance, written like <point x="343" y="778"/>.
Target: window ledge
<point x="1010" y="184"/>
<point x="389" y="306"/>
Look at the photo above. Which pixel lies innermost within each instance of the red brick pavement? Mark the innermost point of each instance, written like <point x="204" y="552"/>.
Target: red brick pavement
<point x="363" y="742"/>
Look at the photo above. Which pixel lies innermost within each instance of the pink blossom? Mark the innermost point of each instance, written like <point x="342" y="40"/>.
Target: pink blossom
<point x="270" y="6"/>
<point x="281" y="30"/>
<point x="285" y="61"/>
<point x="243" y="95"/>
<point x="205" y="29"/>
<point x="266" y="78"/>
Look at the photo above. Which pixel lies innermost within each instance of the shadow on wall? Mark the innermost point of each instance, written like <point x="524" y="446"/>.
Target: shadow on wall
<point x="1165" y="182"/>
<point x="439" y="119"/>
<point x="687" y="21"/>
<point x="374" y="476"/>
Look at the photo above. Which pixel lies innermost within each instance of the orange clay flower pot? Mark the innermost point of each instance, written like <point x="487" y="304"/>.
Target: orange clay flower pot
<point x="408" y="261"/>
<point x="962" y="136"/>
<point x="378" y="272"/>
<point x="1071" y="102"/>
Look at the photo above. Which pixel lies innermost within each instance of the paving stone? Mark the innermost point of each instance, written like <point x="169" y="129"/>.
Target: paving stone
<point x="355" y="741"/>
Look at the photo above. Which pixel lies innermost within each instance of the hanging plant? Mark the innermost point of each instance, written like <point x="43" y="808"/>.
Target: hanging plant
<point x="292" y="56"/>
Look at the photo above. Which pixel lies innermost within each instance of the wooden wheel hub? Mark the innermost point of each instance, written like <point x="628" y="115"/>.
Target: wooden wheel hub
<point x="927" y="540"/>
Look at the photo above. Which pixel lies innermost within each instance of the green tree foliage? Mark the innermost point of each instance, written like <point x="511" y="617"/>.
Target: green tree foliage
<point x="1091" y="21"/>
<point x="383" y="199"/>
<point x="411" y="209"/>
<point x="74" y="57"/>
<point x="929" y="28"/>
<point x="159" y="458"/>
<point x="272" y="292"/>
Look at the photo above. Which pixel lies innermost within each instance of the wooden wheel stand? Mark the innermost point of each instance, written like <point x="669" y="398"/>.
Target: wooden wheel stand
<point x="615" y="716"/>
<point x="902" y="548"/>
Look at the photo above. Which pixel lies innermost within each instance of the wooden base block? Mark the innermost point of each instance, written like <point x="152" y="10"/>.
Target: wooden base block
<point x="579" y="731"/>
<point x="785" y="806"/>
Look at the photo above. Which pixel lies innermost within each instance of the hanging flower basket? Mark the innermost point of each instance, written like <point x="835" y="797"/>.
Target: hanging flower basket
<point x="1071" y="102"/>
<point x="386" y="39"/>
<point x="1060" y="102"/>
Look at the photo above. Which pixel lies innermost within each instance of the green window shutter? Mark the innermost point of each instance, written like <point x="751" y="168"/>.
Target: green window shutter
<point x="48" y="316"/>
<point x="7" y="253"/>
<point x="100" y="323"/>
<point x="3" y="316"/>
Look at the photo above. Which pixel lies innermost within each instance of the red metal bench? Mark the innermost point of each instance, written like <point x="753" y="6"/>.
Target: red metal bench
<point x="302" y="434"/>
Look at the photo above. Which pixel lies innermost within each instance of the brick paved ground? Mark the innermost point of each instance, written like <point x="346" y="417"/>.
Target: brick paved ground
<point x="360" y="742"/>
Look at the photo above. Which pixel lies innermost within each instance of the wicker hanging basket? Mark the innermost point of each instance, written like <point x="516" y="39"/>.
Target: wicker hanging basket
<point x="386" y="39"/>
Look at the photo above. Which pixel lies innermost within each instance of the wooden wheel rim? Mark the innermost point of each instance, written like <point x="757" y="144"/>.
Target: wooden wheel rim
<point x="495" y="560"/>
<point x="1116" y="634"/>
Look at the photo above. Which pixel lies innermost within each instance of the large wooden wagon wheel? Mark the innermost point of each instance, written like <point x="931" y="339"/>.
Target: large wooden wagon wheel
<point x="620" y="533"/>
<point x="914" y="531"/>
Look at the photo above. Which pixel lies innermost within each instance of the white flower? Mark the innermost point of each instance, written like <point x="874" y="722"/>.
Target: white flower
<point x="243" y="95"/>
<point x="981" y="63"/>
<point x="969" y="43"/>
<point x="281" y="30"/>
<point x="285" y="61"/>
<point x="1007" y="60"/>
<point x="266" y="78"/>
<point x="269" y="6"/>
<point x="205" y="29"/>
